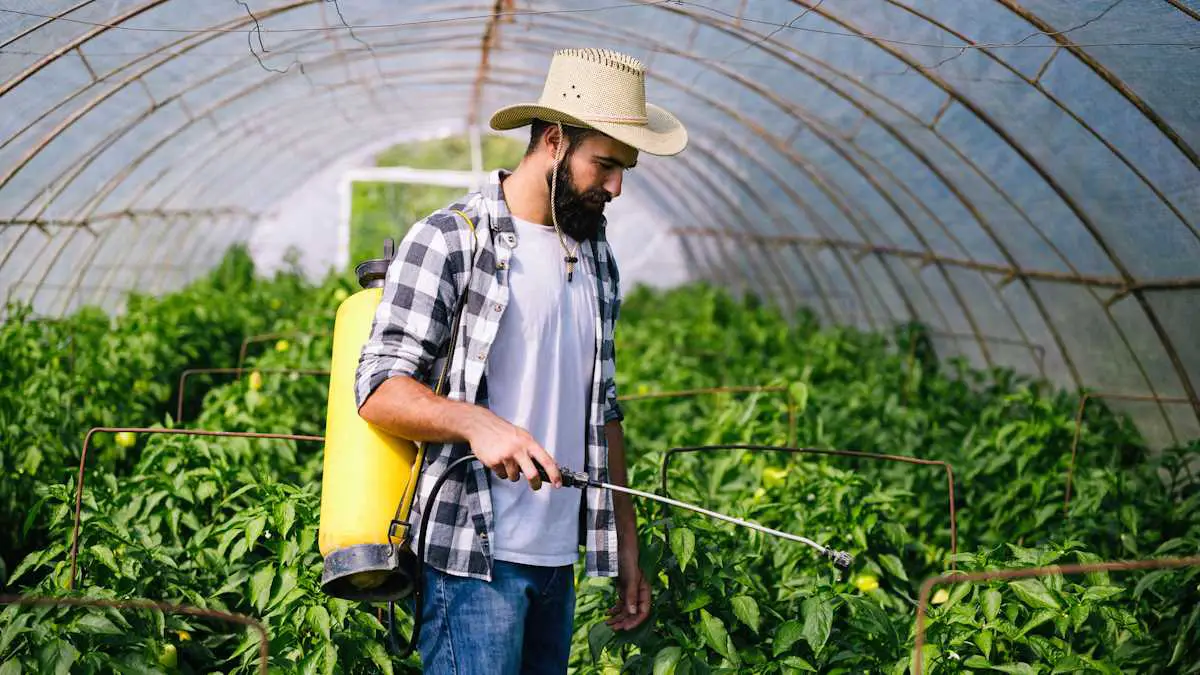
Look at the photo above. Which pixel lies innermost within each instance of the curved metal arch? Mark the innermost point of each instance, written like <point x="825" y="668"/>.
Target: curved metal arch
<point x="715" y="187"/>
<point x="850" y="275"/>
<point x="830" y="140"/>
<point x="1046" y="176"/>
<point x="114" y="182"/>
<point x="305" y="133"/>
<point x="63" y="181"/>
<point x="32" y="70"/>
<point x="1108" y="76"/>
<point x="1032" y="293"/>
<point x="772" y="211"/>
<point x="1120" y="332"/>
<point x="836" y="197"/>
<point x="179" y="250"/>
<point x="1061" y="106"/>
<point x="899" y="287"/>
<point x="1050" y="181"/>
<point x="208" y="154"/>
<point x="231" y="68"/>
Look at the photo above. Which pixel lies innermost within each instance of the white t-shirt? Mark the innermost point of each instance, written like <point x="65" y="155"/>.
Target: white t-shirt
<point x="539" y="377"/>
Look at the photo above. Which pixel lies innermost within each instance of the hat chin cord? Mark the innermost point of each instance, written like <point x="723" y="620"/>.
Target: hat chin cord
<point x="571" y="257"/>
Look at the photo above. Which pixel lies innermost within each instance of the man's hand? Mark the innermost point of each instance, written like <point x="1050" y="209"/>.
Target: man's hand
<point x="510" y="451"/>
<point x="633" y="596"/>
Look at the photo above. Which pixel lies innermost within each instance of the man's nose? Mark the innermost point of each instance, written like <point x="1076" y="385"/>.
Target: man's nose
<point x="613" y="184"/>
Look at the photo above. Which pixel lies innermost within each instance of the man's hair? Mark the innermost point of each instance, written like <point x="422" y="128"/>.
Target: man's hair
<point x="575" y="135"/>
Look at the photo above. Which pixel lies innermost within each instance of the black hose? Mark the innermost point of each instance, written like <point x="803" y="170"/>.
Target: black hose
<point x="419" y="577"/>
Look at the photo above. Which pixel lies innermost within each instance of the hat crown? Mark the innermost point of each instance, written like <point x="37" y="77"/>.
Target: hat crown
<point x="597" y="85"/>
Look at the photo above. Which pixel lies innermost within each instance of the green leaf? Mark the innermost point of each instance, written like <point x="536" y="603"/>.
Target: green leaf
<point x="11" y="667"/>
<point x="983" y="640"/>
<point x="287" y="517"/>
<point x="991" y="603"/>
<point x="794" y="663"/>
<point x="785" y="636"/>
<point x="683" y="544"/>
<point x="746" y="610"/>
<point x="977" y="661"/>
<point x="893" y="566"/>
<point x="311" y="661"/>
<point x="105" y="555"/>
<point x="98" y="624"/>
<point x="58" y="657"/>
<point x="1034" y="594"/>
<point x="666" y="660"/>
<point x="14" y="627"/>
<point x="1017" y="669"/>
<point x="1079" y="615"/>
<point x="254" y="530"/>
<point x="714" y="633"/>
<point x="799" y="394"/>
<point x="1185" y="638"/>
<point x="1039" y="617"/>
<point x="1101" y="592"/>
<point x="598" y="638"/>
<point x="32" y="560"/>
<point x="379" y="656"/>
<point x="818" y="621"/>
<point x="331" y="658"/>
<point x="287" y="583"/>
<point x="699" y="598"/>
<point x="260" y="587"/>
<point x="318" y="618"/>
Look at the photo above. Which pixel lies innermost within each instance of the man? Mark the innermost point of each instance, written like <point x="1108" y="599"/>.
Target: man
<point x="530" y="379"/>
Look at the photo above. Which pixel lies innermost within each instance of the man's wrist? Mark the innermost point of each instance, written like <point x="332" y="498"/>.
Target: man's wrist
<point x="474" y="421"/>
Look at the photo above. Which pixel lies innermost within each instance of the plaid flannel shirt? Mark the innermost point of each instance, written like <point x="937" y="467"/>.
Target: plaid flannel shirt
<point x="410" y="335"/>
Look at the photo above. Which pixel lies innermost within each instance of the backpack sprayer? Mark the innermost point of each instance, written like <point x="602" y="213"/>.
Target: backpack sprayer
<point x="370" y="478"/>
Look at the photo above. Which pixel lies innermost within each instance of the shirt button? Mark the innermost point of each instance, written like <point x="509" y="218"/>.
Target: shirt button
<point x="483" y="535"/>
<point x="497" y="307"/>
<point x="481" y="356"/>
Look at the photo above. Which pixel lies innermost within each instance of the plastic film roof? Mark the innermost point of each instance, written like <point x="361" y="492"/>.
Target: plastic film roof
<point x="1024" y="177"/>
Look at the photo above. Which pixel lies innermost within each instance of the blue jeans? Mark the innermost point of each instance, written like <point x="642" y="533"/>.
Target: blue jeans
<point x="518" y="624"/>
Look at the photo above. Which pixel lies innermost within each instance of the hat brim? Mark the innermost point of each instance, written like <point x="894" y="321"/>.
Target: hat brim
<point x="663" y="134"/>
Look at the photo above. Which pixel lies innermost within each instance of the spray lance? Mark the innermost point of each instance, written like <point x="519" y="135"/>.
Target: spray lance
<point x="576" y="479"/>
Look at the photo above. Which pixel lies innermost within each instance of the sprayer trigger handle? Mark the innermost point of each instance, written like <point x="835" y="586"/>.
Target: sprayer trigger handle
<point x="569" y="478"/>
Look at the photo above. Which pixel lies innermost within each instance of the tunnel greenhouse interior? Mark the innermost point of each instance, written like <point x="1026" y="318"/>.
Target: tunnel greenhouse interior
<point x="965" y="232"/>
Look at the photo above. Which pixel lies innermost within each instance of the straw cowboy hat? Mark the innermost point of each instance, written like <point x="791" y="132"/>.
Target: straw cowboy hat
<point x="602" y="90"/>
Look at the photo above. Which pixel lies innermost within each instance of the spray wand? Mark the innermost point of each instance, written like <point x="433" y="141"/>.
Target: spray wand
<point x="577" y="479"/>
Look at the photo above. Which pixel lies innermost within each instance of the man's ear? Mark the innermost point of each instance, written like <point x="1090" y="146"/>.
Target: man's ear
<point x="553" y="138"/>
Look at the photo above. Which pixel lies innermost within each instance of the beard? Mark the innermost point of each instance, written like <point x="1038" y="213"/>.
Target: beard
<point x="580" y="214"/>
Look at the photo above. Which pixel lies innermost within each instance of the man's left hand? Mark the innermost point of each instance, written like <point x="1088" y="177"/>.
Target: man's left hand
<point x="633" y="597"/>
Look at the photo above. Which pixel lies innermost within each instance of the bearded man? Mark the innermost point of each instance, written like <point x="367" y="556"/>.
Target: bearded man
<point x="529" y="377"/>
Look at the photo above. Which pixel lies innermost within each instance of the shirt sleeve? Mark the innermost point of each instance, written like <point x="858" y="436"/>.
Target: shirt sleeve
<point x="412" y="321"/>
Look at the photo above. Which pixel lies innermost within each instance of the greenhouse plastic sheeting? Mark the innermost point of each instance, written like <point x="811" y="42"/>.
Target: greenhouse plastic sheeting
<point x="1022" y="177"/>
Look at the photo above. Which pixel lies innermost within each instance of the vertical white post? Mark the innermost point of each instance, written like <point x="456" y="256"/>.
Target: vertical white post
<point x="476" y="155"/>
<point x="345" y="208"/>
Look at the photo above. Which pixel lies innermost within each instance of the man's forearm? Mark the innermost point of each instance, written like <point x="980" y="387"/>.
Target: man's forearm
<point x="407" y="408"/>
<point x="618" y="474"/>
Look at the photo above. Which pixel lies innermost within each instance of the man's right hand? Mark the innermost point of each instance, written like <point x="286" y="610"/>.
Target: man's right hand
<point x="510" y="451"/>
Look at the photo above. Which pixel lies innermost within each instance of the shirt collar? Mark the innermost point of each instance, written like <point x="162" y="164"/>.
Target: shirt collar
<point x="501" y="217"/>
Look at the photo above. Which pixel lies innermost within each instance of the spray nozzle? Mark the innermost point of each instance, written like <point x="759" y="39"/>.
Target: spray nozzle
<point x="841" y="559"/>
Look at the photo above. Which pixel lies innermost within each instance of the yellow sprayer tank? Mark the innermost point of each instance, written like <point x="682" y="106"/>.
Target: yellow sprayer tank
<point x="366" y="470"/>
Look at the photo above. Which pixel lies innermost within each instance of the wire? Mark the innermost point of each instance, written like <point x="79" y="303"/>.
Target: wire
<point x="933" y="45"/>
<point x="403" y="24"/>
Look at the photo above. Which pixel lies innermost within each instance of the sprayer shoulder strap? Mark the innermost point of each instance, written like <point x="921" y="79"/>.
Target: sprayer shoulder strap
<point x="440" y="387"/>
